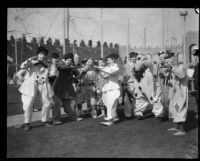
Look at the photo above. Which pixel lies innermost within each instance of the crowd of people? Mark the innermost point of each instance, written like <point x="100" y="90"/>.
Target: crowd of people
<point x="69" y="82"/>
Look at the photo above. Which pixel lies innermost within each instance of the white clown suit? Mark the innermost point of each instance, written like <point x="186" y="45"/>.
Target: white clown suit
<point x="178" y="96"/>
<point x="111" y="91"/>
<point x="36" y="80"/>
<point x="147" y="95"/>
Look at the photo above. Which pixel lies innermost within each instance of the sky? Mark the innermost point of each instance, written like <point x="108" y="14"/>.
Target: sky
<point x="85" y="23"/>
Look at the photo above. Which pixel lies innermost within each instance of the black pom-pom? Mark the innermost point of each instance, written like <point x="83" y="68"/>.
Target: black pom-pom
<point x="151" y="98"/>
<point x="140" y="88"/>
<point x="136" y="94"/>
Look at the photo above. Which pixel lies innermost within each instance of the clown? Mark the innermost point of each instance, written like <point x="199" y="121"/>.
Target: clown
<point x="178" y="96"/>
<point x="143" y="87"/>
<point x="100" y="83"/>
<point x="53" y="74"/>
<point x="128" y="78"/>
<point x="36" y="80"/>
<point x="87" y="87"/>
<point x="111" y="90"/>
<point x="164" y="71"/>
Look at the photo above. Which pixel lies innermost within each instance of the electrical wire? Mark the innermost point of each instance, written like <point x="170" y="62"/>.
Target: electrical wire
<point x="21" y="19"/>
<point x="52" y="23"/>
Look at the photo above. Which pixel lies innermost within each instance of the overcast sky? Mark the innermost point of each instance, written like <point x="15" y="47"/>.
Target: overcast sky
<point x="49" y="22"/>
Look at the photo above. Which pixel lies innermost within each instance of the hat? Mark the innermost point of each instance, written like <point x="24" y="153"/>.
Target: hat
<point x="95" y="62"/>
<point x="160" y="53"/>
<point x="196" y="52"/>
<point x="54" y="55"/>
<point x="84" y="61"/>
<point x="169" y="55"/>
<point x="68" y="56"/>
<point x="42" y="49"/>
<point x="133" y="54"/>
<point x="112" y="56"/>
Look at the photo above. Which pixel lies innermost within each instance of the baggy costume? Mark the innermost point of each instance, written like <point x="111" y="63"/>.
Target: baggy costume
<point x="111" y="91"/>
<point x="53" y="74"/>
<point x="128" y="79"/>
<point x="87" y="91"/>
<point x="158" y="108"/>
<point x="36" y="80"/>
<point x="100" y="83"/>
<point x="143" y="92"/>
<point x="164" y="73"/>
<point x="178" y="96"/>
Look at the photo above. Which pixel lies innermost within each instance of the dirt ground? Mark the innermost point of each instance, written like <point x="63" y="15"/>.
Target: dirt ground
<point x="132" y="138"/>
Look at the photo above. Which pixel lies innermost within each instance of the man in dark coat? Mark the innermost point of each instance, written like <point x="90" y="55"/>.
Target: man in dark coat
<point x="63" y="86"/>
<point x="53" y="73"/>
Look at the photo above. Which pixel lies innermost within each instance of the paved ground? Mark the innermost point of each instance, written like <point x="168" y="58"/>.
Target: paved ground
<point x="147" y="138"/>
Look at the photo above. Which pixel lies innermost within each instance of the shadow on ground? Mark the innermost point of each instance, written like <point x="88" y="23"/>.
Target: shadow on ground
<point x="191" y="122"/>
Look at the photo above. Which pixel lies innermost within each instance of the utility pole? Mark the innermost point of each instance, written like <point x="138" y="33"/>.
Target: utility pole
<point x="145" y="40"/>
<point x="68" y="19"/>
<point x="184" y="15"/>
<point x="16" y="52"/>
<point x="64" y="32"/>
<point x="128" y="42"/>
<point x="38" y="29"/>
<point x="163" y="31"/>
<point x="21" y="48"/>
<point x="16" y="60"/>
<point x="101" y="34"/>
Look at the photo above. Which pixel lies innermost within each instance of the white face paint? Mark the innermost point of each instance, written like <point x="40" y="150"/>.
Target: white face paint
<point x="162" y="57"/>
<point x="68" y="61"/>
<point x="76" y="60"/>
<point x="42" y="56"/>
<point x="90" y="62"/>
<point x="139" y="62"/>
<point x="101" y="63"/>
<point x="133" y="59"/>
<point x="110" y="61"/>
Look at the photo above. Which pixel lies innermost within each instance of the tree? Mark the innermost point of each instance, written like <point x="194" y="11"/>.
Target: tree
<point x="49" y="42"/>
<point x="82" y="43"/>
<point x="105" y="44"/>
<point x="111" y="45"/>
<point x="116" y="45"/>
<point x="98" y="44"/>
<point x="34" y="41"/>
<point x="12" y="39"/>
<point x="75" y="43"/>
<point x="90" y="43"/>
<point x="57" y="42"/>
<point x="67" y="42"/>
<point x="41" y="41"/>
<point x="24" y="39"/>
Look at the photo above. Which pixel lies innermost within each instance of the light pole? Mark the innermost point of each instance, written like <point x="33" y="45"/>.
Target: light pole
<point x="184" y="15"/>
<point x="15" y="47"/>
<point x="101" y="34"/>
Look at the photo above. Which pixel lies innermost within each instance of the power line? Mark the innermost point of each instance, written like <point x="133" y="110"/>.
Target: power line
<point x="94" y="31"/>
<point x="52" y="22"/>
<point x="21" y="19"/>
<point x="76" y="30"/>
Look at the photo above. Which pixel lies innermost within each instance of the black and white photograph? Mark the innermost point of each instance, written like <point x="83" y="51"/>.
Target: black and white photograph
<point x="102" y="82"/>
